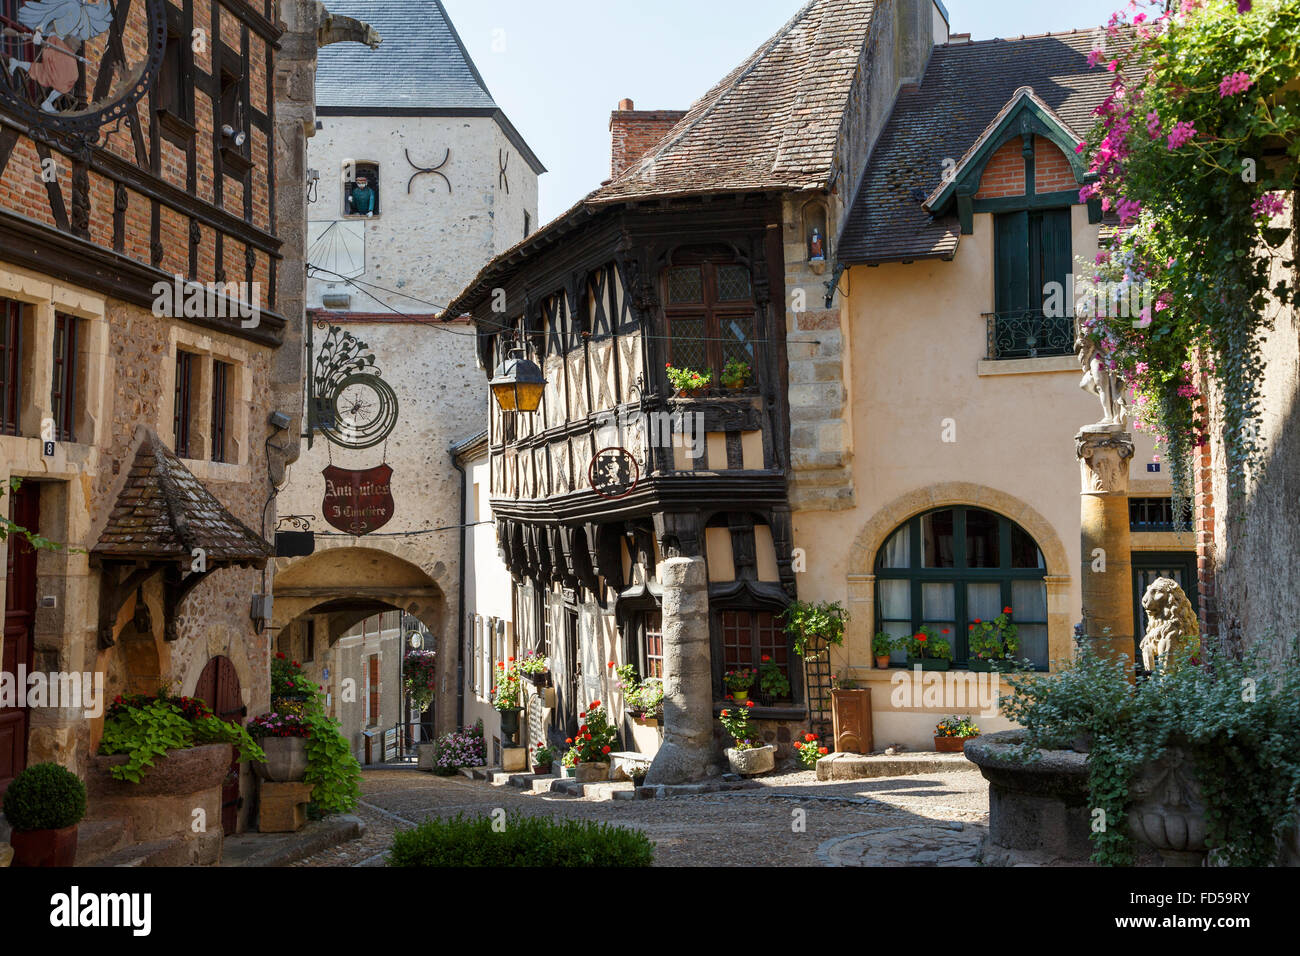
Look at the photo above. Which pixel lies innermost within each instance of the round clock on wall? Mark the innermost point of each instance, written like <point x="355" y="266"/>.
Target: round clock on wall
<point x="351" y="404"/>
<point x="74" y="66"/>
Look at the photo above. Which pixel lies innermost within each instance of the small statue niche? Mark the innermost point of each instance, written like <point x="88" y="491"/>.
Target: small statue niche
<point x="814" y="231"/>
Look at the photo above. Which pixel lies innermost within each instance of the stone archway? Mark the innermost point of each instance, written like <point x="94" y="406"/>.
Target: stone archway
<point x="338" y="587"/>
<point x="862" y="558"/>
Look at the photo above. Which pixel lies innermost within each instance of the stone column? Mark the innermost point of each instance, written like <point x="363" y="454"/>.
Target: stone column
<point x="685" y="754"/>
<point x="1106" y="563"/>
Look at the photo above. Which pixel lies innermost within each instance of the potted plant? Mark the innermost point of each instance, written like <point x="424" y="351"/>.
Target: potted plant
<point x="644" y="700"/>
<point x="738" y="682"/>
<point x="292" y="691"/>
<point x="992" y="641"/>
<point x="283" y="738"/>
<point x="543" y="757"/>
<point x="735" y="374"/>
<point x="460" y="748"/>
<point x="593" y="744"/>
<point x="420" y="675"/>
<point x="505" y="697"/>
<point x="882" y="646"/>
<point x="951" y="734"/>
<point x="536" y="669"/>
<point x="749" y="755"/>
<point x="773" y="685"/>
<point x="814" y="627"/>
<point x="569" y="762"/>
<point x="928" y="650"/>
<point x="810" y="750"/>
<point x="43" y="805"/>
<point x="687" y="381"/>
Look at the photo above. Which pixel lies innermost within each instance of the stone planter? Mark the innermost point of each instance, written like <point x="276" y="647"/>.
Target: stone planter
<point x="509" y="724"/>
<point x="951" y="745"/>
<point x="753" y="761"/>
<point x="161" y="806"/>
<point x="44" y="847"/>
<point x="592" y="772"/>
<point x="1168" y="809"/>
<point x="286" y="759"/>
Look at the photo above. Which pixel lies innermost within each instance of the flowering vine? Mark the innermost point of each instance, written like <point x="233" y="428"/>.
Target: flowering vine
<point x="1196" y="151"/>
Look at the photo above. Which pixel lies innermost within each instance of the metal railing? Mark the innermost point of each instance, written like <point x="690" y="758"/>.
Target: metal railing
<point x="1028" y="333"/>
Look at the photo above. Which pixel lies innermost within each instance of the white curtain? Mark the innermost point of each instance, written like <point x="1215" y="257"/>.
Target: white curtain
<point x="1029" y="603"/>
<point x="898" y="550"/>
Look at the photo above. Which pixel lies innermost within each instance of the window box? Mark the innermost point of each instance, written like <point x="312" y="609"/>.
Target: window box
<point x="646" y="718"/>
<point x="175" y="128"/>
<point x="538" y="680"/>
<point x="929" y="663"/>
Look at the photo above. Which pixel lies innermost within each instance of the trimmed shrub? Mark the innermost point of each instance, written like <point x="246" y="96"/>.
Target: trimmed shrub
<point x="524" y="841"/>
<point x="45" y="796"/>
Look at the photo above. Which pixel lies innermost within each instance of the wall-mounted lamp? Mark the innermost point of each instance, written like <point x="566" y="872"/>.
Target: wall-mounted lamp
<point x="518" y="383"/>
<point x="238" y="137"/>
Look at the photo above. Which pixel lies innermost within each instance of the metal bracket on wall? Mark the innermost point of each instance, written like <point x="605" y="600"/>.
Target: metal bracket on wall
<point x="420" y="170"/>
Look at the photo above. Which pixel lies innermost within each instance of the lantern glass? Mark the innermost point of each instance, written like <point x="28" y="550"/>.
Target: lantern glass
<point x="505" y="395"/>
<point x="528" y="395"/>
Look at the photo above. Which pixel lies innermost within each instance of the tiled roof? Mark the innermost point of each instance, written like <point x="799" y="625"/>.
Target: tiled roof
<point x="965" y="87"/>
<point x="772" y="123"/>
<point x="163" y="513"/>
<point x="421" y="63"/>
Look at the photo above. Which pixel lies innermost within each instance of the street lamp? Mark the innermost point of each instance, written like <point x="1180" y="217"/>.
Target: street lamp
<point x="518" y="383"/>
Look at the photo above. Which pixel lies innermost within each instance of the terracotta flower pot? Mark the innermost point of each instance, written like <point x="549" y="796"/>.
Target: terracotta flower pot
<point x="882" y="662"/>
<point x="540" y="768"/>
<point x="952" y="745"/>
<point x="44" y="847"/>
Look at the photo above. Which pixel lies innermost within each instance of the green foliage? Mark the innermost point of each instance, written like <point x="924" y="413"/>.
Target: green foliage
<point x="772" y="680"/>
<point x="994" y="640"/>
<point x="534" y="663"/>
<point x="332" y="771"/>
<point x="1236" y="717"/>
<point x="806" y="622"/>
<point x="641" y="697"/>
<point x="735" y="374"/>
<point x="596" y="737"/>
<point x="145" y="728"/>
<point x="882" y="645"/>
<point x="810" y="750"/>
<point x="505" y="685"/>
<point x="289" y="680"/>
<point x="926" y="643"/>
<point x="520" y="840"/>
<point x="420" y="675"/>
<point x="739" y="680"/>
<point x="735" y="721"/>
<point x="1198" y="149"/>
<point x="687" y="379"/>
<point x="543" y="755"/>
<point x="45" y="796"/>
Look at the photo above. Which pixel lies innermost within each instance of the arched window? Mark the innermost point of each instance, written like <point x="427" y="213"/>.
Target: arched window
<point x="949" y="567"/>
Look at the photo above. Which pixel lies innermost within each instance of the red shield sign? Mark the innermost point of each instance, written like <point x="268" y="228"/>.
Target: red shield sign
<point x="358" y="502"/>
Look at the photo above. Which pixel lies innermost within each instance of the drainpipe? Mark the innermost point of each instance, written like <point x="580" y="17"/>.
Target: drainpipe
<point x="460" y="610"/>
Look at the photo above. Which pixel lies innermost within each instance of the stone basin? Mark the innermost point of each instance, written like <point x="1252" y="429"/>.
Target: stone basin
<point x="180" y="771"/>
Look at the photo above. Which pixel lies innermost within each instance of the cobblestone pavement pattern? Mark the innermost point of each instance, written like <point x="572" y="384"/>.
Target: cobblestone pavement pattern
<point x="924" y="820"/>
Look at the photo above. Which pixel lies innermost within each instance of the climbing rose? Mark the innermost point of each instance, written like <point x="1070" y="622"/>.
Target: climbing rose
<point x="1234" y="83"/>
<point x="1180" y="135"/>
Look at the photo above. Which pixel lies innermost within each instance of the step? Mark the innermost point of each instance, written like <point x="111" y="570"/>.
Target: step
<point x="97" y="839"/>
<point x="843" y="766"/>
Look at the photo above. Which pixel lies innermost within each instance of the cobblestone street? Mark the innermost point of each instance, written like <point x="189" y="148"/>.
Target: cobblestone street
<point x="923" y="820"/>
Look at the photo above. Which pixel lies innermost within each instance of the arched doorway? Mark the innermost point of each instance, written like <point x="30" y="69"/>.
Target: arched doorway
<point x="218" y="687"/>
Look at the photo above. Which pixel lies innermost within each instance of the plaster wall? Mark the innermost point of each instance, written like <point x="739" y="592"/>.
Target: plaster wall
<point x="919" y="365"/>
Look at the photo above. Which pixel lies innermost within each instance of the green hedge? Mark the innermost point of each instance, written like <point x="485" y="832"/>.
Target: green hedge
<point x="522" y="841"/>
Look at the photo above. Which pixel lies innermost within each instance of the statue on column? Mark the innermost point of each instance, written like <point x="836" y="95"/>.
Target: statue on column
<point x="1104" y="383"/>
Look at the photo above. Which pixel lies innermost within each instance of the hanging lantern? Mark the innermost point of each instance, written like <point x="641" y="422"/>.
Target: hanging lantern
<point x="518" y="383"/>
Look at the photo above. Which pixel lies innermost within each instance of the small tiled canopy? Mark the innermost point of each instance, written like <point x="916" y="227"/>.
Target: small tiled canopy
<point x="164" y="513"/>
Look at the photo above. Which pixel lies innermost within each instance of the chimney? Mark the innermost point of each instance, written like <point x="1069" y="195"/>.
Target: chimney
<point x="635" y="132"/>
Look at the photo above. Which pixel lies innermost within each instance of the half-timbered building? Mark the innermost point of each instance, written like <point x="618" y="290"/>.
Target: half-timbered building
<point x="707" y="251"/>
<point x="151" y="224"/>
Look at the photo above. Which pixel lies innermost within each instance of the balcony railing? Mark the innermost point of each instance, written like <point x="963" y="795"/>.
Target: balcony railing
<point x="1028" y="333"/>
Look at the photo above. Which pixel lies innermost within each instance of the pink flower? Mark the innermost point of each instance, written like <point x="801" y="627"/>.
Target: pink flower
<point x="1269" y="204"/>
<point x="1243" y="6"/>
<point x="1180" y="135"/>
<point x="1153" y="124"/>
<point x="1235" y="83"/>
<point x="1095" y="57"/>
<point x="1128" y="210"/>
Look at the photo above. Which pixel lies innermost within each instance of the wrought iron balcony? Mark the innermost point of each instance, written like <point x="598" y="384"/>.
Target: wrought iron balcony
<point x="1028" y="333"/>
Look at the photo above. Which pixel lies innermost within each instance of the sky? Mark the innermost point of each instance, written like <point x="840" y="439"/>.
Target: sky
<point x="559" y="67"/>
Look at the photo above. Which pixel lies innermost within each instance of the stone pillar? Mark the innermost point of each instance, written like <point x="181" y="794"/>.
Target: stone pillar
<point x="1106" y="562"/>
<point x="685" y="754"/>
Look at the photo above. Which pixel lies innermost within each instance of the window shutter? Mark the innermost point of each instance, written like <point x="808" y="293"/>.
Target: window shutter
<point x="1054" y="249"/>
<point x="1011" y="262"/>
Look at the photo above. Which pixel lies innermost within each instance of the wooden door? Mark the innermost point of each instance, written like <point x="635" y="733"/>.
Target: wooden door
<point x="20" y="615"/>
<point x="218" y="687"/>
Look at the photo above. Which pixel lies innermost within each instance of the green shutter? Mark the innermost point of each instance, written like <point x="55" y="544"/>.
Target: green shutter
<point x="1011" y="262"/>
<point x="1054" y="249"/>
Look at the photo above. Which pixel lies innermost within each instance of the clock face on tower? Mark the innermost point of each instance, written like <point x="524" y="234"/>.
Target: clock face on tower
<point x="77" y="65"/>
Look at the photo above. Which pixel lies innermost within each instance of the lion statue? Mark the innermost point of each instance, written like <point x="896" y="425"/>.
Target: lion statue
<point x="1171" y="623"/>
